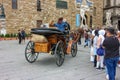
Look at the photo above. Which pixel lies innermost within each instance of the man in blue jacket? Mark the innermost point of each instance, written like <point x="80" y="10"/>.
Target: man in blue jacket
<point x="61" y="25"/>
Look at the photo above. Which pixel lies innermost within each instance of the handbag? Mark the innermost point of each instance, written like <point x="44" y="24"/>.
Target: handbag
<point x="100" y="51"/>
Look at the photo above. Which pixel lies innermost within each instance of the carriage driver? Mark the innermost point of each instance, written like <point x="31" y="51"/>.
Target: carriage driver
<point x="61" y="25"/>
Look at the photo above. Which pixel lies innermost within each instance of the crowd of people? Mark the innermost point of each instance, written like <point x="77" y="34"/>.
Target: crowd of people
<point x="104" y="52"/>
<point x="104" y="45"/>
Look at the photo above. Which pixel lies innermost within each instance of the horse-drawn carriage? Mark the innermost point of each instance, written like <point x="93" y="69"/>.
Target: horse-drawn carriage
<point x="57" y="43"/>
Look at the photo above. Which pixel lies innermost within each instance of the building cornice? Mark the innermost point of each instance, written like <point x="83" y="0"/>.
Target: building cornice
<point x="111" y="7"/>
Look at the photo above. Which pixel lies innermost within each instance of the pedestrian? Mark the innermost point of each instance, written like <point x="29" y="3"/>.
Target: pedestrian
<point x="67" y="24"/>
<point x="19" y="36"/>
<point x="51" y="24"/>
<point x="87" y="39"/>
<point x="106" y="70"/>
<point x="23" y="35"/>
<point x="100" y="58"/>
<point x="118" y="36"/>
<point x="95" y="39"/>
<point x="111" y="45"/>
<point x="91" y="50"/>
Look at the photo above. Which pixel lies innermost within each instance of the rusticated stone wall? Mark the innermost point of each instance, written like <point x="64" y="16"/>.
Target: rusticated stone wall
<point x="26" y="15"/>
<point x="98" y="18"/>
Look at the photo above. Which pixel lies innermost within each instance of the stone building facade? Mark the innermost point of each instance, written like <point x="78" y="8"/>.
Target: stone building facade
<point x="113" y="6"/>
<point x="24" y="13"/>
<point x="98" y="13"/>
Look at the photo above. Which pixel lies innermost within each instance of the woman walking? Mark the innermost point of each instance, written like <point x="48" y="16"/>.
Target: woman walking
<point x="100" y="58"/>
<point x="95" y="46"/>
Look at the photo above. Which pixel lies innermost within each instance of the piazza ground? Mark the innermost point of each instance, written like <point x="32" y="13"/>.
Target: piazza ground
<point x="13" y="65"/>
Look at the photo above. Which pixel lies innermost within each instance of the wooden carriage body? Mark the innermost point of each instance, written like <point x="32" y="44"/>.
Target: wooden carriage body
<point x="52" y="36"/>
<point x="45" y="47"/>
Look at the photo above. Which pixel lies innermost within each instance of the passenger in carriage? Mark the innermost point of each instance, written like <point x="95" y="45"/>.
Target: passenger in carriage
<point x="67" y="24"/>
<point x="61" y="25"/>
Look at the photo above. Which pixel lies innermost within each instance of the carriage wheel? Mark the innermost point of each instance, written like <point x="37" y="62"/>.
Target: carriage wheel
<point x="74" y="49"/>
<point x="59" y="53"/>
<point x="30" y="55"/>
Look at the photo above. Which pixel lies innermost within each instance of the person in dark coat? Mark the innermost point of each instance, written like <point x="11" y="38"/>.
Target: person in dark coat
<point x="19" y="36"/>
<point x="23" y="35"/>
<point x="67" y="24"/>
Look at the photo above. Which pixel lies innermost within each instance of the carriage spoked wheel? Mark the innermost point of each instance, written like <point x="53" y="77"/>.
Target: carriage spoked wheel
<point x="59" y="53"/>
<point x="30" y="54"/>
<point x="74" y="49"/>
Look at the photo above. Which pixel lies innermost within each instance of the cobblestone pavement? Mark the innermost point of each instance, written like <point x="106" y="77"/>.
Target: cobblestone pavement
<point x="13" y="65"/>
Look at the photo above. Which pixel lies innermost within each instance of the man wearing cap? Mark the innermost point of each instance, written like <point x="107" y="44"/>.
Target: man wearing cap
<point x="111" y="45"/>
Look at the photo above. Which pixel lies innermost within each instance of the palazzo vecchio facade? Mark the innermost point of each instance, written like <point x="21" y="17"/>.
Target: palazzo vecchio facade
<point x="29" y="14"/>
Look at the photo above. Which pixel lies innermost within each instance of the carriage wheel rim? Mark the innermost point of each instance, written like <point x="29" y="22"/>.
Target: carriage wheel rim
<point x="59" y="54"/>
<point x="30" y="55"/>
<point x="74" y="50"/>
